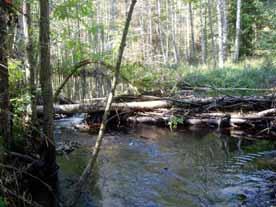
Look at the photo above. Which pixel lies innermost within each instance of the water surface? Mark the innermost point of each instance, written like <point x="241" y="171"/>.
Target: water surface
<point x="153" y="167"/>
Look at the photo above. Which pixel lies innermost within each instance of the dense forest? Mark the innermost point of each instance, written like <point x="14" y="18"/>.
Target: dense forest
<point x="137" y="103"/>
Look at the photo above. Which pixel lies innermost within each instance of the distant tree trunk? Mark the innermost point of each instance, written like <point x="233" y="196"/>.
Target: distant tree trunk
<point x="173" y="31"/>
<point x="225" y="28"/>
<point x="150" y="37"/>
<point x="30" y="60"/>
<point x="159" y="29"/>
<point x="48" y="153"/>
<point x="203" y="34"/>
<point x="222" y="30"/>
<point x="5" y="116"/>
<point x="213" y="45"/>
<point x="192" y="40"/>
<point x="238" y="32"/>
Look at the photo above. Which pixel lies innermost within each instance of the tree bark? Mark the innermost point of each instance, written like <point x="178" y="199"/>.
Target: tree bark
<point x="203" y="34"/>
<point x="5" y="114"/>
<point x="213" y="45"/>
<point x="238" y="32"/>
<point x="160" y="32"/>
<point x="220" y="33"/>
<point x="192" y="38"/>
<point x="99" y="105"/>
<point x="30" y="60"/>
<point x="48" y="151"/>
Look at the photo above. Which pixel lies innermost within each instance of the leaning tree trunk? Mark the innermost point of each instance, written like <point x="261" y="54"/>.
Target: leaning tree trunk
<point x="5" y="116"/>
<point x="238" y="32"/>
<point x="91" y="163"/>
<point x="48" y="152"/>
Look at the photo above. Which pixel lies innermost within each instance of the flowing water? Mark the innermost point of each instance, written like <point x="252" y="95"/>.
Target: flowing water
<point x="153" y="167"/>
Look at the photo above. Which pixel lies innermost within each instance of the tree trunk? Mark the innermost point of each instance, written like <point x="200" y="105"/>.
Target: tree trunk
<point x="238" y="32"/>
<point x="203" y="34"/>
<point x="222" y="31"/>
<point x="99" y="105"/>
<point x="225" y="28"/>
<point x="30" y="60"/>
<point x="160" y="32"/>
<point x="48" y="152"/>
<point x="5" y="115"/>
<point x="192" y="38"/>
<point x="214" y="53"/>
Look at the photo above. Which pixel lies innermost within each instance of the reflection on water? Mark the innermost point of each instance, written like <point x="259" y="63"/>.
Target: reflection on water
<point x="153" y="167"/>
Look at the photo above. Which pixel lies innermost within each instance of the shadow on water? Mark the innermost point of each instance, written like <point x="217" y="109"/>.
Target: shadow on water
<point x="153" y="167"/>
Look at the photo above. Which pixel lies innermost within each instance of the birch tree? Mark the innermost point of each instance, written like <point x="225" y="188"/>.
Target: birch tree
<point x="238" y="32"/>
<point x="222" y="31"/>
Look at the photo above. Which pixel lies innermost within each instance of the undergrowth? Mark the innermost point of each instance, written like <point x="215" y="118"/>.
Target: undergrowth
<point x="250" y="73"/>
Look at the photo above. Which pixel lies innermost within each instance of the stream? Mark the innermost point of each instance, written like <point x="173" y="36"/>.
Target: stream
<point x="147" y="166"/>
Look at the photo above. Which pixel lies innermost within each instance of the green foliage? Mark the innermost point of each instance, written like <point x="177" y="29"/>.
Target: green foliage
<point x="16" y="75"/>
<point x="74" y="9"/>
<point x="267" y="43"/>
<point x="2" y="202"/>
<point x="249" y="74"/>
<point x="258" y="23"/>
<point x="251" y="17"/>
<point x="258" y="73"/>
<point x="175" y="121"/>
<point x="20" y="103"/>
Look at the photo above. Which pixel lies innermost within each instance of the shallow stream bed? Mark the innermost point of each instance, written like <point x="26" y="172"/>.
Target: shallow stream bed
<point x="148" y="166"/>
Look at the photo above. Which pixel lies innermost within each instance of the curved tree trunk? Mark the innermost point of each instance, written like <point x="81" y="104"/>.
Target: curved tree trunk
<point x="91" y="163"/>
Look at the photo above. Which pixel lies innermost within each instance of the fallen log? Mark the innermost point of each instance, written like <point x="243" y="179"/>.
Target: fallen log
<point x="99" y="106"/>
<point x="220" y="120"/>
<point x="225" y="103"/>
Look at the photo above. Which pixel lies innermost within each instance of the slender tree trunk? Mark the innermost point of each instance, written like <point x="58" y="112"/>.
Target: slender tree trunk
<point x="5" y="115"/>
<point x="150" y="37"/>
<point x="221" y="39"/>
<point x="225" y="28"/>
<point x="91" y="163"/>
<point x="48" y="153"/>
<point x="30" y="60"/>
<point x="161" y="36"/>
<point x="192" y="40"/>
<point x="173" y="31"/>
<point x="187" y="34"/>
<point x="213" y="45"/>
<point x="238" y="32"/>
<point x="203" y="34"/>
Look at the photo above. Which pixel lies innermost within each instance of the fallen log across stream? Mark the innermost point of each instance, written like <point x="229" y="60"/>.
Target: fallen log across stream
<point x="149" y="103"/>
<point x="254" y="113"/>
